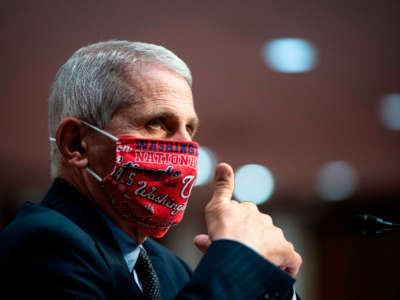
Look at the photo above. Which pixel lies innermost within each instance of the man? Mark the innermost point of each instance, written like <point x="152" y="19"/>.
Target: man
<point x="121" y="122"/>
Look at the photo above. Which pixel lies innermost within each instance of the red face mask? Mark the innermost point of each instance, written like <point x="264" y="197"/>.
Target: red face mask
<point x="151" y="181"/>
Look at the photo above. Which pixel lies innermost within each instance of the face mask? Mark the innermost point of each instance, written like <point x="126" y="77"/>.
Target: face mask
<point x="151" y="181"/>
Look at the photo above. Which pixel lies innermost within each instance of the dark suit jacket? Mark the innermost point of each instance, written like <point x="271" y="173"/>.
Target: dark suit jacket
<point x="63" y="249"/>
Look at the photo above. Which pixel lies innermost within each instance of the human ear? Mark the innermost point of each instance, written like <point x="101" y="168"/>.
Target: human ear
<point x="70" y="142"/>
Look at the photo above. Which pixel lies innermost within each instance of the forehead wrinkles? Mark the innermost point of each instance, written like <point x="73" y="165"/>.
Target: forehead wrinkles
<point x="157" y="85"/>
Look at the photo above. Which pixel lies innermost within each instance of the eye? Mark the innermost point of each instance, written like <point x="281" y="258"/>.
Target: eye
<point x="189" y="129"/>
<point x="157" y="124"/>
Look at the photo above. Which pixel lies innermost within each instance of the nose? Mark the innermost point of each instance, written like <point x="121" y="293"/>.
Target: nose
<point x="181" y="135"/>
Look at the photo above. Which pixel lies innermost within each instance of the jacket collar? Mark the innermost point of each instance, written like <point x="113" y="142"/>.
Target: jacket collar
<point x="68" y="201"/>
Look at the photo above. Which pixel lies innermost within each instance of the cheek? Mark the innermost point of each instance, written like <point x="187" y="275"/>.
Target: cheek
<point x="101" y="159"/>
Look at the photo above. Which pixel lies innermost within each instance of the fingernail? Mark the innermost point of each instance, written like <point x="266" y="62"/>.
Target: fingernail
<point x="222" y="174"/>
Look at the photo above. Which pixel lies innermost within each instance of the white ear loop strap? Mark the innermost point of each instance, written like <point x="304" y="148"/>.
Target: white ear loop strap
<point x="101" y="131"/>
<point x="91" y="172"/>
<point x="94" y="128"/>
<point x="94" y="174"/>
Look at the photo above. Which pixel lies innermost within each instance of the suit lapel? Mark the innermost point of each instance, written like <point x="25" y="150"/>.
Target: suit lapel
<point x="166" y="277"/>
<point x="65" y="199"/>
<point x="123" y="279"/>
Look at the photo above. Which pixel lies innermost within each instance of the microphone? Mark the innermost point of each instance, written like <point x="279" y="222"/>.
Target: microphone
<point x="367" y="224"/>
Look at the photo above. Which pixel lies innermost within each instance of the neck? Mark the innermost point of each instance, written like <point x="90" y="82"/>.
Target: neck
<point x="91" y="189"/>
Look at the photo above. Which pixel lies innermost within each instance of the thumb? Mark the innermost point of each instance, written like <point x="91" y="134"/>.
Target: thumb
<point x="202" y="242"/>
<point x="223" y="183"/>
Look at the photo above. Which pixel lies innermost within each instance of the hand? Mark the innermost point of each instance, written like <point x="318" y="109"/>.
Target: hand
<point x="243" y="222"/>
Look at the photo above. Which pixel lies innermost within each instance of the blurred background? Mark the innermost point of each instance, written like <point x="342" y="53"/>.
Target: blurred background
<point x="302" y="98"/>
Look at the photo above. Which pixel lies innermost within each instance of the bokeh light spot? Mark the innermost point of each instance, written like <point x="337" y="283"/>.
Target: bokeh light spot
<point x="253" y="183"/>
<point x="206" y="167"/>
<point x="289" y="55"/>
<point x="390" y="111"/>
<point x="336" y="180"/>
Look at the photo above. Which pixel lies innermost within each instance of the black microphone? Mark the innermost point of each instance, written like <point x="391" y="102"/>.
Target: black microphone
<point x="367" y="224"/>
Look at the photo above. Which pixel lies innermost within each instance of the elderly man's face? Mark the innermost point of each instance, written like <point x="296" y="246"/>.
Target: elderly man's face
<point x="163" y="109"/>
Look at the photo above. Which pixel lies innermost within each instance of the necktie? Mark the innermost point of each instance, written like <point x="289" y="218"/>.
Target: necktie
<point x="147" y="276"/>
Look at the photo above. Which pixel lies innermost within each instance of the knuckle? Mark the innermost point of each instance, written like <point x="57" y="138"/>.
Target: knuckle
<point x="299" y="259"/>
<point x="279" y="231"/>
<point x="250" y="205"/>
<point x="234" y="202"/>
<point x="268" y="218"/>
<point x="214" y="209"/>
<point x="209" y="208"/>
<point x="290" y="246"/>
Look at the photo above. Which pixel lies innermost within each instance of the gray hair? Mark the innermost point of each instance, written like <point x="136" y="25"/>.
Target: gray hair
<point x="93" y="84"/>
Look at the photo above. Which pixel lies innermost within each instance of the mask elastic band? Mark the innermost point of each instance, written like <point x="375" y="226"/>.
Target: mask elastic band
<point x="99" y="130"/>
<point x="94" y="175"/>
<point x="88" y="170"/>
